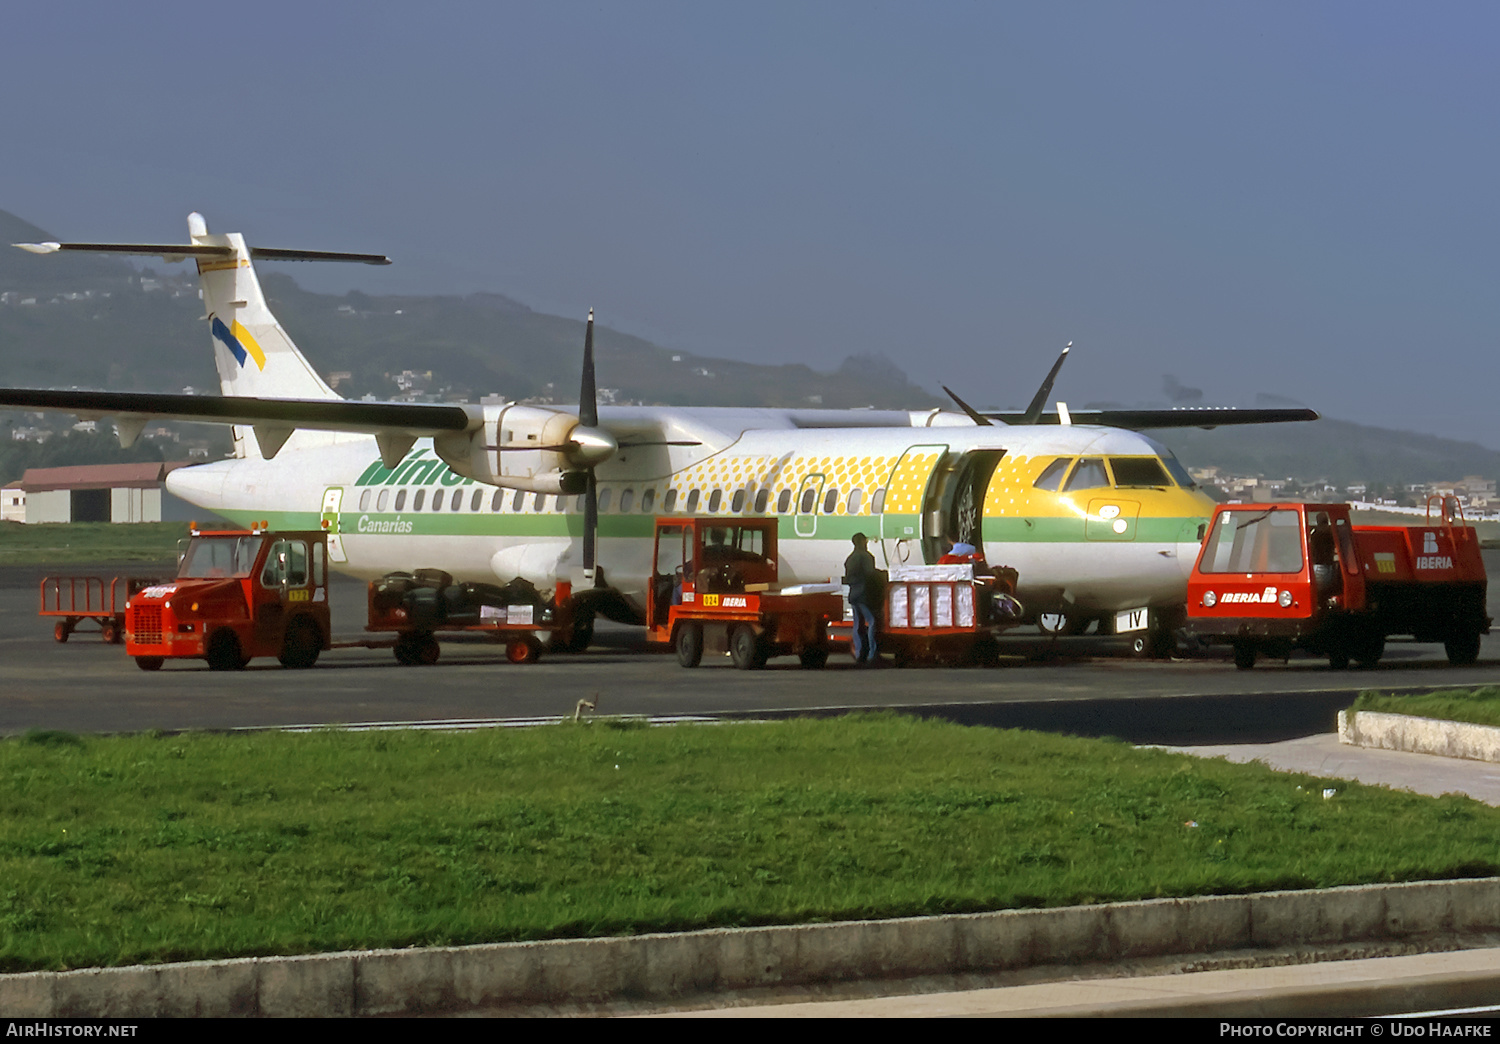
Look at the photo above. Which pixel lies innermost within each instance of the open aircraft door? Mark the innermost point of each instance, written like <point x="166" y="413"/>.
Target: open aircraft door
<point x="333" y="500"/>
<point x="902" y="512"/>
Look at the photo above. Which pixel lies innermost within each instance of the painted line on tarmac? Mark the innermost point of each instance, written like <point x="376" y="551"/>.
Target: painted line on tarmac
<point x="465" y="724"/>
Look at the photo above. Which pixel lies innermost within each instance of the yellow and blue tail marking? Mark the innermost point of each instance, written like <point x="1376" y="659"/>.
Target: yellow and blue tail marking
<point x="239" y="342"/>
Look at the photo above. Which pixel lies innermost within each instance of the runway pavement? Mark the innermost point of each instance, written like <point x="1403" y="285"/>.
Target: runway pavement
<point x="1085" y="685"/>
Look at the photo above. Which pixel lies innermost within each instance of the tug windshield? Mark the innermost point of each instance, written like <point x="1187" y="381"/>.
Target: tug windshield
<point x="215" y="556"/>
<point x="1258" y="540"/>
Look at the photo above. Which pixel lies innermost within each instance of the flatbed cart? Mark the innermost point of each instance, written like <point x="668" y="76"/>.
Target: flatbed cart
<point x="75" y="599"/>
<point x="419" y="606"/>
<point x="943" y="614"/>
<point x="716" y="579"/>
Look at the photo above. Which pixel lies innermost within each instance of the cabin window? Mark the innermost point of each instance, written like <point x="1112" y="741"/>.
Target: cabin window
<point x="715" y="499"/>
<point x="1089" y="474"/>
<point x="560" y="503"/>
<point x="648" y="498"/>
<point x="364" y="500"/>
<point x="382" y="500"/>
<point x="626" y="500"/>
<point x="692" y="503"/>
<point x="809" y="498"/>
<point x="830" y="500"/>
<point x="539" y="502"/>
<point x="856" y="498"/>
<point x="669" y="502"/>
<point x="737" y="502"/>
<point x="400" y="499"/>
<point x="456" y="501"/>
<point x="604" y="495"/>
<point x="1051" y="476"/>
<point x="1139" y="471"/>
<point x="437" y="500"/>
<point x="783" y="501"/>
<point x="582" y="503"/>
<point x="497" y="502"/>
<point x="518" y="501"/>
<point x="476" y="500"/>
<point x="761" y="499"/>
<point x="416" y="504"/>
<point x="877" y="506"/>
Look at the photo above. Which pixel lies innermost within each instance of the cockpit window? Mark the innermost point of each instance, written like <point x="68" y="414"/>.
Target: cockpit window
<point x="1138" y="471"/>
<point x="1179" y="472"/>
<point x="1051" y="476"/>
<point x="1089" y="474"/>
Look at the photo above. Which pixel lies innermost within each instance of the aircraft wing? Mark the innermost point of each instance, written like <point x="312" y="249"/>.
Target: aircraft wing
<point x="419" y="419"/>
<point x="1180" y="417"/>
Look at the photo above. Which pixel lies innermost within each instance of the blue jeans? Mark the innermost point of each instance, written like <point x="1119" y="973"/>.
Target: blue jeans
<point x="864" y="632"/>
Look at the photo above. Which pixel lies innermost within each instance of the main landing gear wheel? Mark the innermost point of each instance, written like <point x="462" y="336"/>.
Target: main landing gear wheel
<point x="689" y="644"/>
<point x="745" y="648"/>
<point x="523" y="650"/>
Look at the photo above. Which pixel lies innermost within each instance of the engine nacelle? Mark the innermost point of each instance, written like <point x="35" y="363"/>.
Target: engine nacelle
<point x="509" y="449"/>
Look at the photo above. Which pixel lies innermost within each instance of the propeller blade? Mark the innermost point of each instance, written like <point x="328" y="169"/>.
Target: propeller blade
<point x="974" y="415"/>
<point x="588" y="396"/>
<point x="590" y="519"/>
<point x="1034" y="411"/>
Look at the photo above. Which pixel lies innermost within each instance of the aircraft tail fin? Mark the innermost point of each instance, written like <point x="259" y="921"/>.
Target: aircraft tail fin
<point x="253" y="354"/>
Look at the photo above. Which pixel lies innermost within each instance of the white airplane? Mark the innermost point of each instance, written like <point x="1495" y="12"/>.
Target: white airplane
<point x="1101" y="522"/>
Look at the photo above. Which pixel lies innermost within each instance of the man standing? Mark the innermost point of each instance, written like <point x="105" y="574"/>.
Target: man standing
<point x="860" y="575"/>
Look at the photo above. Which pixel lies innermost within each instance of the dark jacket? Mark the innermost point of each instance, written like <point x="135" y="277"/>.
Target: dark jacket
<point x="859" y="574"/>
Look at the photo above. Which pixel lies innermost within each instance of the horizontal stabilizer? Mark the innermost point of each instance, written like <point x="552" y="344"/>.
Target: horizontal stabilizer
<point x="182" y="251"/>
<point x="1179" y="417"/>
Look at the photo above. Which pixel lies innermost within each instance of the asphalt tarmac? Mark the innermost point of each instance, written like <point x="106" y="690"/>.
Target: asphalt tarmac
<point x="1087" y="685"/>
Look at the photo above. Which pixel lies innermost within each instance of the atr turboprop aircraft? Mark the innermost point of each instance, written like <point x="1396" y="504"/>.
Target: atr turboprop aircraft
<point x="1101" y="522"/>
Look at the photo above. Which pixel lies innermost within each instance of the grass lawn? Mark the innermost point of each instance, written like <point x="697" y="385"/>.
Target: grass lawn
<point x="122" y="849"/>
<point x="1478" y="706"/>
<point x="82" y="543"/>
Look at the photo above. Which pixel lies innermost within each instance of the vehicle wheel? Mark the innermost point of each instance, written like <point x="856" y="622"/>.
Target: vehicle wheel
<point x="689" y="644"/>
<point x="109" y="632"/>
<point x="149" y="663"/>
<point x="1244" y="655"/>
<point x="60" y="631"/>
<point x="1338" y="659"/>
<point x="576" y="638"/>
<point x="300" y="647"/>
<point x="1462" y="649"/>
<point x="427" y="650"/>
<point x="985" y="651"/>
<point x="523" y="650"/>
<point x="405" y="650"/>
<point x="745" y="648"/>
<point x="1367" y="649"/>
<point x="814" y="657"/>
<point x="224" y="653"/>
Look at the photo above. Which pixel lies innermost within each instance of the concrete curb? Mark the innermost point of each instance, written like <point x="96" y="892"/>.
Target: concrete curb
<point x="1448" y="739"/>
<point x="453" y="979"/>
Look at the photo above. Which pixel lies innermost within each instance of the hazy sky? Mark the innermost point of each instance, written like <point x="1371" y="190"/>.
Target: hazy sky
<point x="1289" y="198"/>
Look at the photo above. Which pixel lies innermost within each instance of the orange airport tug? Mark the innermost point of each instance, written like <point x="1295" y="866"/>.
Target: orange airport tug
<point x="715" y="579"/>
<point x="238" y="594"/>
<point x="1273" y="577"/>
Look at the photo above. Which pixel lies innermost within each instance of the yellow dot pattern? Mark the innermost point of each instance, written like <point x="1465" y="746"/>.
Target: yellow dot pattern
<point x="776" y="474"/>
<point x="909" y="483"/>
<point x="1012" y="490"/>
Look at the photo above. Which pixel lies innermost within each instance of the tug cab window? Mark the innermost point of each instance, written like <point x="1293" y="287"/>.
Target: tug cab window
<point x="287" y="563"/>
<point x="1267" y="540"/>
<point x="1089" y="474"/>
